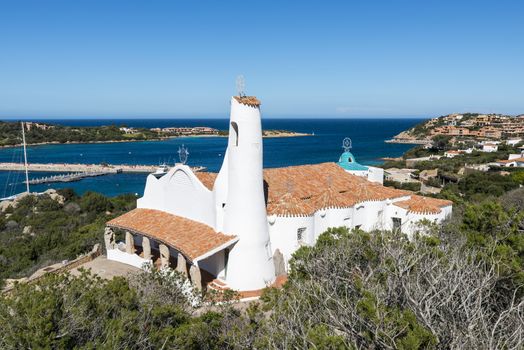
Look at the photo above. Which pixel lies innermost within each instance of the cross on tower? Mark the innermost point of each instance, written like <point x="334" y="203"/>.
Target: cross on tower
<point x="347" y="144"/>
<point x="241" y="85"/>
<point x="182" y="154"/>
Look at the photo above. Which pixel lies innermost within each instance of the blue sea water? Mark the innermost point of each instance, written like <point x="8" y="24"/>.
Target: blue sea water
<point x="368" y="137"/>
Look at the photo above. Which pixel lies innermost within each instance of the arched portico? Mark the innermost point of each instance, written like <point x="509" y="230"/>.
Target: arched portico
<point x="165" y="240"/>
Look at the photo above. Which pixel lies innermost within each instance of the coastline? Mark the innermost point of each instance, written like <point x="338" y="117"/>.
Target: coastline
<point x="409" y="141"/>
<point x="153" y="139"/>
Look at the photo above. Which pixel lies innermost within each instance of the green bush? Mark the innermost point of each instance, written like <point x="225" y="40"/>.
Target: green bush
<point x="410" y="186"/>
<point x="54" y="231"/>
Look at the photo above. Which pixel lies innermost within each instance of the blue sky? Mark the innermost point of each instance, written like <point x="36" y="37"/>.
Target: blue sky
<point x="128" y="58"/>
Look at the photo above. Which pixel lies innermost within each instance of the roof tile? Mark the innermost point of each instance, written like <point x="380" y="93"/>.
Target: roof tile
<point x="191" y="238"/>
<point x="423" y="205"/>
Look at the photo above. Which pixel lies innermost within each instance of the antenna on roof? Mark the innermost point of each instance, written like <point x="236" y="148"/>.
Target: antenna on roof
<point x="182" y="154"/>
<point x="347" y="144"/>
<point x="241" y="85"/>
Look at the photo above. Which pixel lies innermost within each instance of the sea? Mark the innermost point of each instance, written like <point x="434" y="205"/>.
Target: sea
<point x="367" y="135"/>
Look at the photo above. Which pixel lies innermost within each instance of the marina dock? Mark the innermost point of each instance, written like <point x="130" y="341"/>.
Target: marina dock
<point x="84" y="168"/>
<point x="64" y="178"/>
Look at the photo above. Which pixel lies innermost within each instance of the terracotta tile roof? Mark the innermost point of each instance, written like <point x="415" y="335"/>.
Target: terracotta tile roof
<point x="423" y="205"/>
<point x="207" y="179"/>
<point x="191" y="238"/>
<point x="248" y="100"/>
<point x="520" y="159"/>
<point x="333" y="199"/>
<point x="311" y="181"/>
<point x="288" y="205"/>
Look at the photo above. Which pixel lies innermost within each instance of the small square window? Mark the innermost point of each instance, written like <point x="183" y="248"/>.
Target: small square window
<point x="397" y="224"/>
<point x="301" y="234"/>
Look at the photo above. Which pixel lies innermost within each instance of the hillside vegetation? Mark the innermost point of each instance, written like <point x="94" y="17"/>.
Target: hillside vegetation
<point x="39" y="231"/>
<point x="454" y="287"/>
<point x="11" y="134"/>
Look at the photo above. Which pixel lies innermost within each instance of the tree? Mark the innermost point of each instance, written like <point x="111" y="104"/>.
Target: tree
<point x="441" y="142"/>
<point x="518" y="177"/>
<point x="381" y="290"/>
<point x="95" y="202"/>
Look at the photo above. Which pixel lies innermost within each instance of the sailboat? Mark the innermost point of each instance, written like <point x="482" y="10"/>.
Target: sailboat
<point x="26" y="168"/>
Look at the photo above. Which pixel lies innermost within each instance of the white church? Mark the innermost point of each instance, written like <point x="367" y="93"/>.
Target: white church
<point x="237" y="229"/>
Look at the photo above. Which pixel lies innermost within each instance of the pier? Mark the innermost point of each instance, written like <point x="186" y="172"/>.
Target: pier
<point x="64" y="178"/>
<point x="84" y="168"/>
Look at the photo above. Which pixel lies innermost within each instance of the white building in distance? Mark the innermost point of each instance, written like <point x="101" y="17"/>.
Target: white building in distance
<point x="239" y="227"/>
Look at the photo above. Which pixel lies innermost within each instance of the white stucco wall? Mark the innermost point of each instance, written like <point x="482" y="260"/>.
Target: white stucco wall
<point x="373" y="174"/>
<point x="214" y="264"/>
<point x="125" y="258"/>
<point x="181" y="193"/>
<point x="220" y="193"/>
<point x="359" y="215"/>
<point x="332" y="217"/>
<point x="376" y="174"/>
<point x="283" y="234"/>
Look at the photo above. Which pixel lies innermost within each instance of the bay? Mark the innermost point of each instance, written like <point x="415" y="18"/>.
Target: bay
<point x="368" y="136"/>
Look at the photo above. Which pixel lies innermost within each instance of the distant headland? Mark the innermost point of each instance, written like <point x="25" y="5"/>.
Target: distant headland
<point x="44" y="133"/>
<point x="465" y="126"/>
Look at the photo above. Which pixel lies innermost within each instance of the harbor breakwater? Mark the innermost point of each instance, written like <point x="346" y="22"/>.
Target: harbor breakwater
<point x="83" y="168"/>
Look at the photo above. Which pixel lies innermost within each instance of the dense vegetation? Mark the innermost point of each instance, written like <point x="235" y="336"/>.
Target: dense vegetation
<point x="410" y="186"/>
<point x="455" y="286"/>
<point x="11" y="134"/>
<point x="38" y="231"/>
<point x="459" y="286"/>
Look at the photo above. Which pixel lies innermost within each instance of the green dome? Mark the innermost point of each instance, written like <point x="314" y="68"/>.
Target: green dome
<point x="347" y="162"/>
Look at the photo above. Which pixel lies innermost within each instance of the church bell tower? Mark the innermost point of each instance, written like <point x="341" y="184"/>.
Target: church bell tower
<point x="250" y="263"/>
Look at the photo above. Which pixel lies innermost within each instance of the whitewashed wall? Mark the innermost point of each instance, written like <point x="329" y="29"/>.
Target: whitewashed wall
<point x="376" y="175"/>
<point x="125" y="258"/>
<point x="181" y="193"/>
<point x="214" y="264"/>
<point x="283" y="233"/>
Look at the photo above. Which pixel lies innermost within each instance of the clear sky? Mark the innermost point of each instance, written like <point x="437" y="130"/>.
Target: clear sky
<point x="154" y="58"/>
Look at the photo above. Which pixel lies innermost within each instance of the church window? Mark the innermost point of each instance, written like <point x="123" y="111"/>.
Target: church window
<point x="235" y="135"/>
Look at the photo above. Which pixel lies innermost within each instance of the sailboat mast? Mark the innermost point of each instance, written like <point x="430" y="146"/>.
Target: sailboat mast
<point x="25" y="160"/>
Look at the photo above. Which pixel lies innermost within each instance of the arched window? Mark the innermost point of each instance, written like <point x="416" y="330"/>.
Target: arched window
<point x="235" y="132"/>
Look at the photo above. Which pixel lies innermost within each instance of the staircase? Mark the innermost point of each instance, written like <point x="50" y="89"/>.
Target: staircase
<point x="217" y="285"/>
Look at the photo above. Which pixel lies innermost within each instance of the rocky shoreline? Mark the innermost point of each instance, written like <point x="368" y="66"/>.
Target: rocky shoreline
<point x="409" y="141"/>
